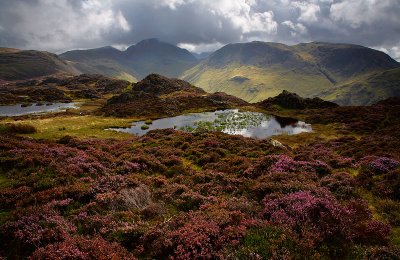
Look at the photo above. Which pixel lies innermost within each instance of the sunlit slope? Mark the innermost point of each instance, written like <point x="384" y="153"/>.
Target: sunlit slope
<point x="366" y="90"/>
<point x="258" y="70"/>
<point x="253" y="83"/>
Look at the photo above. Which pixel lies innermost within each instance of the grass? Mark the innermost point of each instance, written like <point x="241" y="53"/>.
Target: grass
<point x="262" y="83"/>
<point x="77" y="126"/>
<point x="396" y="236"/>
<point x="320" y="132"/>
<point x="365" y="89"/>
<point x="4" y="181"/>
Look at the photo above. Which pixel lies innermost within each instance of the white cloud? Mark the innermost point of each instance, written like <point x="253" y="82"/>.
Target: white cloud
<point x="308" y="11"/>
<point x="62" y="24"/>
<point x="202" y="47"/>
<point x="393" y="51"/>
<point x="359" y="12"/>
<point x="242" y="15"/>
<point x="173" y="4"/>
<point x="122" y="22"/>
<point x="295" y="29"/>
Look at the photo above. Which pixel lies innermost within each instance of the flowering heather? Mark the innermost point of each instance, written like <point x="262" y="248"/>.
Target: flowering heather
<point x="176" y="195"/>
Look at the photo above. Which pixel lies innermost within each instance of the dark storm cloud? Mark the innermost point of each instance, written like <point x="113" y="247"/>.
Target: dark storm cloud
<point x="199" y="25"/>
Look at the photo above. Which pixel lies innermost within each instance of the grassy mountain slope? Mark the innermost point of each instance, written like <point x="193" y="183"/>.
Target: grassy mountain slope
<point x="366" y="90"/>
<point x="258" y="70"/>
<point x="153" y="56"/>
<point x="138" y="61"/>
<point x="106" y="61"/>
<point x="18" y="65"/>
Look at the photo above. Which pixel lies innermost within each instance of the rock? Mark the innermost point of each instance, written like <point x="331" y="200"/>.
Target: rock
<point x="293" y="101"/>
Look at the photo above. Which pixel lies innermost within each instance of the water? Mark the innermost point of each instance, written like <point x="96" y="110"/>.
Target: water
<point x="17" y="110"/>
<point x="248" y="124"/>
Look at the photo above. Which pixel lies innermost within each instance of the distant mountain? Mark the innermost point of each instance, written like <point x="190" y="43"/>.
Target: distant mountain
<point x="106" y="61"/>
<point x="154" y="56"/>
<point x="138" y="61"/>
<point x="257" y="70"/>
<point x="342" y="73"/>
<point x="19" y="65"/>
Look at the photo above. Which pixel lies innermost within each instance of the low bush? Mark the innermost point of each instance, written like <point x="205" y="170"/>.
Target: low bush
<point x="18" y="129"/>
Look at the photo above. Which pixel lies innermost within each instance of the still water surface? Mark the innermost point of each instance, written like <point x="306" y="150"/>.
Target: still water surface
<point x="231" y="121"/>
<point x="18" y="110"/>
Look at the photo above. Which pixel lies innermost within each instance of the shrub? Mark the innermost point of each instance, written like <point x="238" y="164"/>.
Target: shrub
<point x="390" y="210"/>
<point x="342" y="185"/>
<point x="20" y="129"/>
<point x="37" y="227"/>
<point x="136" y="198"/>
<point x="82" y="248"/>
<point x="314" y="217"/>
<point x="266" y="243"/>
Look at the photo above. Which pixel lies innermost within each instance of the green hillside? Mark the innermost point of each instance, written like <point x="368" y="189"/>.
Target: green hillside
<point x="366" y="90"/>
<point x="106" y="61"/>
<point x="18" y="65"/>
<point x="258" y="70"/>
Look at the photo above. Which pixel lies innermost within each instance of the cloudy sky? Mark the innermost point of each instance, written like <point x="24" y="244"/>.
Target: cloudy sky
<point x="198" y="25"/>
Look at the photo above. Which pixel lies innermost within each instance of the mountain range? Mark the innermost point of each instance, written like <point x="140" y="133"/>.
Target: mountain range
<point x="136" y="62"/>
<point x="258" y="70"/>
<point x="343" y="73"/>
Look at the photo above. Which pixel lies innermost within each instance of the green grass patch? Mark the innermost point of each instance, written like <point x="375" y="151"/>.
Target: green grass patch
<point x="77" y="126"/>
<point x="144" y="127"/>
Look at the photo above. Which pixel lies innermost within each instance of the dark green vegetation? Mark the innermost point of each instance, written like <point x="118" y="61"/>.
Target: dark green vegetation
<point x="19" y="65"/>
<point x="63" y="89"/>
<point x="17" y="129"/>
<point x="157" y="96"/>
<point x="258" y="70"/>
<point x="140" y="60"/>
<point x="171" y="194"/>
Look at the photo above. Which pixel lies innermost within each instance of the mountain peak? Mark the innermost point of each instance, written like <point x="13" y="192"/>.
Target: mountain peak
<point x="150" y="40"/>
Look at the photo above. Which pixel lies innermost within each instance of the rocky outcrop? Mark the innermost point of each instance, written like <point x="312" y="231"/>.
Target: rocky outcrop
<point x="293" y="101"/>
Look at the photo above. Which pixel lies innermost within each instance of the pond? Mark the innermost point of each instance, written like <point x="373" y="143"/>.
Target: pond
<point x="21" y="109"/>
<point x="231" y="121"/>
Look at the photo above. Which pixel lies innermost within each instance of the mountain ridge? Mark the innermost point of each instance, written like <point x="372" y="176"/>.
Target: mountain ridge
<point x="138" y="60"/>
<point x="269" y="68"/>
<point x="343" y="73"/>
<point x="18" y="64"/>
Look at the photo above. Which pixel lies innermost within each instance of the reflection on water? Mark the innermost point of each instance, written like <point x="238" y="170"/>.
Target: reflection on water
<point x="248" y="124"/>
<point x="21" y="109"/>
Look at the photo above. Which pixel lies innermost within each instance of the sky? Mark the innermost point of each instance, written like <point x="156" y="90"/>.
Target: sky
<point x="197" y="25"/>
